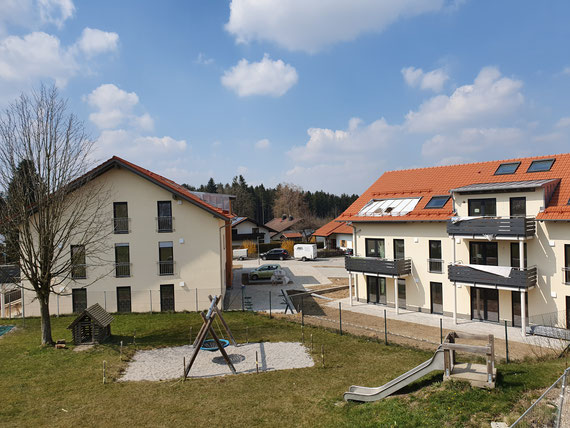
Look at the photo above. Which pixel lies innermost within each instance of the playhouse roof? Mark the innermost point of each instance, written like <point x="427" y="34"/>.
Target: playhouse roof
<point x="96" y="313"/>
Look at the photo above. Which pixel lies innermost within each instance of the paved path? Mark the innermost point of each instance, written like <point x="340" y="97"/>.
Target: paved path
<point x="467" y="326"/>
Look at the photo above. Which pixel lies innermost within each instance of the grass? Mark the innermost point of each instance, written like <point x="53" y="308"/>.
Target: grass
<point x="49" y="387"/>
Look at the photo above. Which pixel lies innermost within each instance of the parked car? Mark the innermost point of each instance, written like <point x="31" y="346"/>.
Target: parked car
<point x="263" y="272"/>
<point x="305" y="251"/>
<point x="348" y="252"/>
<point x="275" y="254"/>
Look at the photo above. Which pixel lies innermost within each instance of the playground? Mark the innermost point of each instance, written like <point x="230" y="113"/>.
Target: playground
<point x="309" y="396"/>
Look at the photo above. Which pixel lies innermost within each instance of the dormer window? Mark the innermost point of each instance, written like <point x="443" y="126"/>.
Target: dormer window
<point x="437" y="202"/>
<point x="507" y="168"/>
<point x="541" y="165"/>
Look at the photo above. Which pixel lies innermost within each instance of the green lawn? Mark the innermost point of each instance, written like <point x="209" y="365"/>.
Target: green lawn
<point x="49" y="387"/>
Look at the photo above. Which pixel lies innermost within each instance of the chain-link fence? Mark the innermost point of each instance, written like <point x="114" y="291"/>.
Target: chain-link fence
<point x="551" y="409"/>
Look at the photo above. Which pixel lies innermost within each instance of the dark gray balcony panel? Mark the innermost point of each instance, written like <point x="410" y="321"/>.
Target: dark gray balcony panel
<point x="498" y="226"/>
<point x="518" y="279"/>
<point x="400" y="267"/>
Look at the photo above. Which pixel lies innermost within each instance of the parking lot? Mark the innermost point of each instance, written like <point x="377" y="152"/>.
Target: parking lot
<point x="303" y="275"/>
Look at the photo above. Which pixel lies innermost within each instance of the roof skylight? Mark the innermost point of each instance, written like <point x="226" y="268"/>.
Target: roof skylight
<point x="388" y="207"/>
<point x="507" y="168"/>
<point x="540" y="165"/>
<point x="437" y="202"/>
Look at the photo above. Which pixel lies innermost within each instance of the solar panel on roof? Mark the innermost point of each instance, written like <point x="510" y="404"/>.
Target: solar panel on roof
<point x="388" y="207"/>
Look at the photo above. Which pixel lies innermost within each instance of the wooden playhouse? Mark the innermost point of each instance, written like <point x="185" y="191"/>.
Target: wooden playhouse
<point x="93" y="325"/>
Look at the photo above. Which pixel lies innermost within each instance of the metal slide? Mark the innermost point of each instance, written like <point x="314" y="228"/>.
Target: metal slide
<point x="362" y="393"/>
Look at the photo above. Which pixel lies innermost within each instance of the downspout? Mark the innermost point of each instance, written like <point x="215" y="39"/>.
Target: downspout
<point x="355" y="254"/>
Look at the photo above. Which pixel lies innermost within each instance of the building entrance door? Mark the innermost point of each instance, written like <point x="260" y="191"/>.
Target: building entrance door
<point x="484" y="304"/>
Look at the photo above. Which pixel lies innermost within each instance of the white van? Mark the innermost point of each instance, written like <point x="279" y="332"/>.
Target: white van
<point x="305" y="251"/>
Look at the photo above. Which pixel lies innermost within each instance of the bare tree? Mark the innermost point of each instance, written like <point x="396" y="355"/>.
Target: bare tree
<point x="58" y="211"/>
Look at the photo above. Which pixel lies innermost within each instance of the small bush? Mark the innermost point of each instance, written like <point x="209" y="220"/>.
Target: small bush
<point x="251" y="247"/>
<point x="288" y="245"/>
<point x="330" y="253"/>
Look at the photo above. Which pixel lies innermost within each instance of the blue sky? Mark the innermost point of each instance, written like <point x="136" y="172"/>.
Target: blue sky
<point x="323" y="94"/>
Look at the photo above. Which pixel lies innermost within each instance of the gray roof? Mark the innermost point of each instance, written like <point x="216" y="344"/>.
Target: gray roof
<point x="97" y="314"/>
<point x="509" y="185"/>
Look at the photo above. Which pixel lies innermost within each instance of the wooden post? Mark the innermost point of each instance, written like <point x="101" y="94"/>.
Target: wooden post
<point x="183" y="369"/>
<point x="340" y="318"/>
<point x="256" y="363"/>
<point x="121" y="351"/>
<point x="311" y="342"/>
<point x="220" y="346"/>
<point x="302" y="334"/>
<point x="323" y="355"/>
<point x="216" y="300"/>
<point x="104" y="372"/>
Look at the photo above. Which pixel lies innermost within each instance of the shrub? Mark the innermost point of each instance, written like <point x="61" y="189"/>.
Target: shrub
<point x="251" y="247"/>
<point x="288" y="245"/>
<point x="330" y="253"/>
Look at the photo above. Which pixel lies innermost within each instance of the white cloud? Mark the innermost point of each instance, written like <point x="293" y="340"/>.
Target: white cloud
<point x="203" y="59"/>
<point x="266" y="77"/>
<point x="433" y="80"/>
<point x="242" y="170"/>
<point x="490" y="96"/>
<point x="564" y="122"/>
<point x="114" y="107"/>
<point x="163" y="143"/>
<point x="56" y="11"/>
<point x="93" y="41"/>
<point x="262" y="144"/>
<point x="310" y="26"/>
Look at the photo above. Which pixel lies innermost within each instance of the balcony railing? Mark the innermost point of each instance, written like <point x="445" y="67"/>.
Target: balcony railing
<point x="248" y="236"/>
<point x="122" y="270"/>
<point x="121" y="224"/>
<point x="435" y="265"/>
<point x="518" y="278"/>
<point x="79" y="271"/>
<point x="398" y="267"/>
<point x="566" y="271"/>
<point x="493" y="226"/>
<point x="164" y="224"/>
<point x="166" y="268"/>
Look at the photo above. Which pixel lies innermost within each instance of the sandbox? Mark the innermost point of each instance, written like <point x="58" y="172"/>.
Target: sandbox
<point x="167" y="363"/>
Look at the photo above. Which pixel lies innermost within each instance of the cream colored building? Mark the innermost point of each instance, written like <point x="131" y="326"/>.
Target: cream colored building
<point x="167" y="249"/>
<point x="487" y="241"/>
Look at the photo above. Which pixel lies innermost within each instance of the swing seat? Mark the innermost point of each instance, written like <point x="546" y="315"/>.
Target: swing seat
<point x="210" y="344"/>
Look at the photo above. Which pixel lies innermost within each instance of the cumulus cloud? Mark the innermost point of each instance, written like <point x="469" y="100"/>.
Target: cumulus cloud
<point x="433" y="80"/>
<point x="310" y="26"/>
<point x="34" y="14"/>
<point x="262" y="144"/>
<point x="564" y="122"/>
<point x="93" y="41"/>
<point x="490" y="96"/>
<point x="56" y="11"/>
<point x="114" y="107"/>
<point x="266" y="77"/>
<point x="202" y="59"/>
<point x="131" y="145"/>
<point x="476" y="122"/>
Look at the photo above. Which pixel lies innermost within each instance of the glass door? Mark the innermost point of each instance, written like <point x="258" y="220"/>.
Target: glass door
<point x="436" y="293"/>
<point x="375" y="290"/>
<point x="399" y="249"/>
<point x="167" y="297"/>
<point x="123" y="299"/>
<point x="483" y="253"/>
<point x="516" y="305"/>
<point x="402" y="293"/>
<point x="484" y="304"/>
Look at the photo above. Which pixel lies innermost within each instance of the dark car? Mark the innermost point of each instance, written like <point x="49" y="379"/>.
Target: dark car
<point x="275" y="254"/>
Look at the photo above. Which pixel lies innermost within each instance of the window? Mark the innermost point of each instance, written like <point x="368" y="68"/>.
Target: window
<point x="375" y="248"/>
<point x="540" y="165"/>
<point x="375" y="290"/>
<point x="402" y="293"/>
<point x="518" y="207"/>
<point x="483" y="253"/>
<point x="437" y="202"/>
<point x="435" y="262"/>
<point x="166" y="297"/>
<point x="165" y="258"/>
<point x="507" y="168"/>
<point x="79" y="299"/>
<point x="164" y="216"/>
<point x="343" y="243"/>
<point x="436" y="296"/>
<point x="120" y="217"/>
<point x="399" y="249"/>
<point x="515" y="259"/>
<point x="255" y="230"/>
<point x="122" y="261"/>
<point x="483" y="207"/>
<point x="78" y="266"/>
<point x="123" y="299"/>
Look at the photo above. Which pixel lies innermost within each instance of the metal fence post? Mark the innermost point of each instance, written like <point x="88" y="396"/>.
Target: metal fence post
<point x="562" y="392"/>
<point x="340" y="318"/>
<point x="270" y="305"/>
<point x="197" y="299"/>
<point x="506" y="342"/>
<point x="385" y="329"/>
<point x="440" y="330"/>
<point x="302" y="310"/>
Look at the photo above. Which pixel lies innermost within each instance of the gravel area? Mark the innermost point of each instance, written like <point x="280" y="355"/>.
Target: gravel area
<point x="167" y="363"/>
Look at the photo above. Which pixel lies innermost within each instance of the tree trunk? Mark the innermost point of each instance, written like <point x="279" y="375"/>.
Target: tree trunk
<point x="46" y="321"/>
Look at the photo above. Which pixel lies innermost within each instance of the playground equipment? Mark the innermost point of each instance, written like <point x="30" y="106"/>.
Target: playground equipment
<point x="215" y="343"/>
<point x="481" y="376"/>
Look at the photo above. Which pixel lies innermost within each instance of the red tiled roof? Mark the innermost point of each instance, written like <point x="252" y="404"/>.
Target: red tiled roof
<point x="279" y="225"/>
<point x="437" y="181"/>
<point x="333" y="227"/>
<point x="161" y="181"/>
<point x="292" y="235"/>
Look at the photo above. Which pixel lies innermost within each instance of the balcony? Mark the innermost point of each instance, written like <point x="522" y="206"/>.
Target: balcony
<point x="166" y="268"/>
<point x="435" y="265"/>
<point x="164" y="224"/>
<point x="121" y="225"/>
<point x="506" y="227"/>
<point x="388" y="267"/>
<point x="122" y="270"/>
<point x="79" y="271"/>
<point x="517" y="279"/>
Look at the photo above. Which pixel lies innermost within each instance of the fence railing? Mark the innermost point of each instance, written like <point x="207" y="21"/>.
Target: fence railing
<point x="435" y="265"/>
<point x="166" y="268"/>
<point x="79" y="271"/>
<point x="164" y="224"/>
<point x="121" y="225"/>
<point x="566" y="271"/>
<point x="122" y="270"/>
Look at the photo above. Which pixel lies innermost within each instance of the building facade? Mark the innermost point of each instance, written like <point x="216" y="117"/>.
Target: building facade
<point x="336" y="235"/>
<point x="167" y="249"/>
<point x="487" y="241"/>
